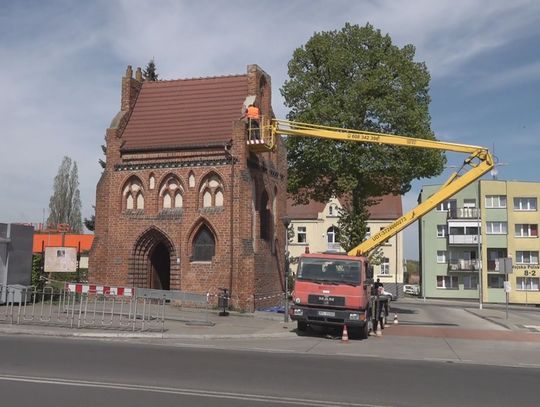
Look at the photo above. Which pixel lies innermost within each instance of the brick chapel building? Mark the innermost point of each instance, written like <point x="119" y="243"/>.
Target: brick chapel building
<point x="184" y="203"/>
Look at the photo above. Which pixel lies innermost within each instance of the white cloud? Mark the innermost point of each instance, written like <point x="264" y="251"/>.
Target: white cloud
<point x="62" y="64"/>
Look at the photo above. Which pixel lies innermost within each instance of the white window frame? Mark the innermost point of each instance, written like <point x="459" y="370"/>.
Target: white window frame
<point x="527" y="283"/>
<point x="495" y="201"/>
<point x="442" y="230"/>
<point x="525" y="204"/>
<point x="441" y="256"/>
<point x="445" y="206"/>
<point x="385" y="266"/>
<point x="496" y="228"/>
<point x="301" y="234"/>
<point x="447" y="282"/>
<point x="526" y="257"/>
<point x="526" y="230"/>
<point x="332" y="232"/>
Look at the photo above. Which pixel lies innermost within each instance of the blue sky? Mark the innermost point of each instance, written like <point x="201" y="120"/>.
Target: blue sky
<point x="62" y="62"/>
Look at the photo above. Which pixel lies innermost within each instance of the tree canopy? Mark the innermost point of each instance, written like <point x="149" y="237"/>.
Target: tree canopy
<point x="150" y="73"/>
<point x="356" y="78"/>
<point x="65" y="202"/>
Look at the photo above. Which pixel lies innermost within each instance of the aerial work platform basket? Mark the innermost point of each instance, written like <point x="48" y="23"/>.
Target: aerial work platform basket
<point x="261" y="138"/>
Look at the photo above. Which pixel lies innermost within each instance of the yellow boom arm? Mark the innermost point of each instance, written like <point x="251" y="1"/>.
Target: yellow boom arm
<point x="479" y="161"/>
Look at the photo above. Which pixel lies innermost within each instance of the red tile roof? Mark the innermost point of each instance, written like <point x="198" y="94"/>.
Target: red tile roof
<point x="42" y="240"/>
<point x="388" y="207"/>
<point x="185" y="112"/>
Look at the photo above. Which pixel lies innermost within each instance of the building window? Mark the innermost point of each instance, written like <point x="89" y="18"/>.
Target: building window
<point x="332" y="235"/>
<point x="527" y="284"/>
<point x="447" y="282"/>
<point x="152" y="182"/>
<point x="470" y="282"/>
<point x="368" y="233"/>
<point x="301" y="234"/>
<point x="191" y="180"/>
<point x="524" y="204"/>
<point x="493" y="258"/>
<point x="447" y="206"/>
<point x="441" y="230"/>
<point x="171" y="193"/>
<point x="207" y="199"/>
<point x="495" y="201"/>
<point x="526" y="230"/>
<point x="385" y="266"/>
<point x="212" y="192"/>
<point x="527" y="257"/>
<point x="204" y="245"/>
<point x="496" y="228"/>
<point x="469" y="203"/>
<point x="495" y="281"/>
<point x="133" y="194"/>
<point x="441" y="256"/>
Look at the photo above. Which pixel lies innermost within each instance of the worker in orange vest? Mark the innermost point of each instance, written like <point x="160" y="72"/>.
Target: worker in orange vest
<point x="253" y="116"/>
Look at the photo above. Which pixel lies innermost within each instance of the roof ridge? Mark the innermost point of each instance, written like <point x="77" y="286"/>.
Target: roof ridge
<point x="196" y="78"/>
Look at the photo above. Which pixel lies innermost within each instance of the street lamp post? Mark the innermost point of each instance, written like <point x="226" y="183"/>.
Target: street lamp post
<point x="286" y="222"/>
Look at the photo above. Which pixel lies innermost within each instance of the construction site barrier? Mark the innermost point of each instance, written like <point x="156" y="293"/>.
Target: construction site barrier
<point x="80" y="306"/>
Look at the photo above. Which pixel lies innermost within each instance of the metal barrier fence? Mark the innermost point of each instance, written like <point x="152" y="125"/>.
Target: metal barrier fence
<point x="274" y="300"/>
<point x="82" y="306"/>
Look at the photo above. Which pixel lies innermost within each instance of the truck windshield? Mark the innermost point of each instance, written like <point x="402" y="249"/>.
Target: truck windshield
<point x="329" y="270"/>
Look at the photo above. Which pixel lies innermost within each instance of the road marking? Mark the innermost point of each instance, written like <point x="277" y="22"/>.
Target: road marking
<point x="185" y="392"/>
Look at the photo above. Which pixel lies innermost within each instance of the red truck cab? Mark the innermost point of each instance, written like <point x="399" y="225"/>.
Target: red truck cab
<point x="332" y="290"/>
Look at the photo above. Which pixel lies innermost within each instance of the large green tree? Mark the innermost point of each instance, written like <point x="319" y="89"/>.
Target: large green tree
<point x="65" y="202"/>
<point x="356" y="78"/>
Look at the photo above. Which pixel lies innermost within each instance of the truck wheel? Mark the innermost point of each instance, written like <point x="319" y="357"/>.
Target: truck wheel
<point x="302" y="326"/>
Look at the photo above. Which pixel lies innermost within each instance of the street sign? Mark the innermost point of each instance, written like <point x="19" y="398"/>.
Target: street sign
<point x="505" y="265"/>
<point x="507" y="287"/>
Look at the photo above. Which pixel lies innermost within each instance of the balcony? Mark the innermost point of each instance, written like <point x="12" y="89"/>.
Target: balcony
<point x="464" y="239"/>
<point x="463" y="213"/>
<point x="463" y="265"/>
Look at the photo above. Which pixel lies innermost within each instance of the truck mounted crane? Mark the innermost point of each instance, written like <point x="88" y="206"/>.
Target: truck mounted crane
<point x="333" y="290"/>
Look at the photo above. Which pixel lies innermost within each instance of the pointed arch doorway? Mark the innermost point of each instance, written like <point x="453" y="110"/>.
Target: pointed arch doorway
<point x="160" y="262"/>
<point x="153" y="256"/>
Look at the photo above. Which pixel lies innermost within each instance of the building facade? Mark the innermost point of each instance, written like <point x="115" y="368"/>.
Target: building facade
<point x="183" y="203"/>
<point x="314" y="228"/>
<point x="462" y="240"/>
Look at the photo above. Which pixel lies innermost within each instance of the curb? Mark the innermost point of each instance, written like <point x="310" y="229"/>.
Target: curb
<point x="63" y="333"/>
<point x="485" y="318"/>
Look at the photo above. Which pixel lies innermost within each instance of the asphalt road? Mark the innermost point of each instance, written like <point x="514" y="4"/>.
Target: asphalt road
<point x="54" y="371"/>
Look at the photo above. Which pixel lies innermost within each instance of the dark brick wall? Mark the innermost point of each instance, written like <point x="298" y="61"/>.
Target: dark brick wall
<point x="245" y="264"/>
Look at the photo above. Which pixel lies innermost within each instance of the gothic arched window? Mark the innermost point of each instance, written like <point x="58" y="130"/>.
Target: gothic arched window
<point x="171" y="193"/>
<point x="204" y="245"/>
<point x="133" y="194"/>
<point x="212" y="192"/>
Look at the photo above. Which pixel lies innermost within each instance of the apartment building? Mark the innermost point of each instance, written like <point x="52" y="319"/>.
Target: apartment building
<point x="314" y="228"/>
<point x="462" y="240"/>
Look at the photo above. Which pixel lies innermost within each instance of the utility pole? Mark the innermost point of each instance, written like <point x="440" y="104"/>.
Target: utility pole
<point x="286" y="222"/>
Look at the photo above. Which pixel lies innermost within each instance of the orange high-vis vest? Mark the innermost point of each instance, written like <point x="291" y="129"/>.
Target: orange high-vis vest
<point x="253" y="112"/>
